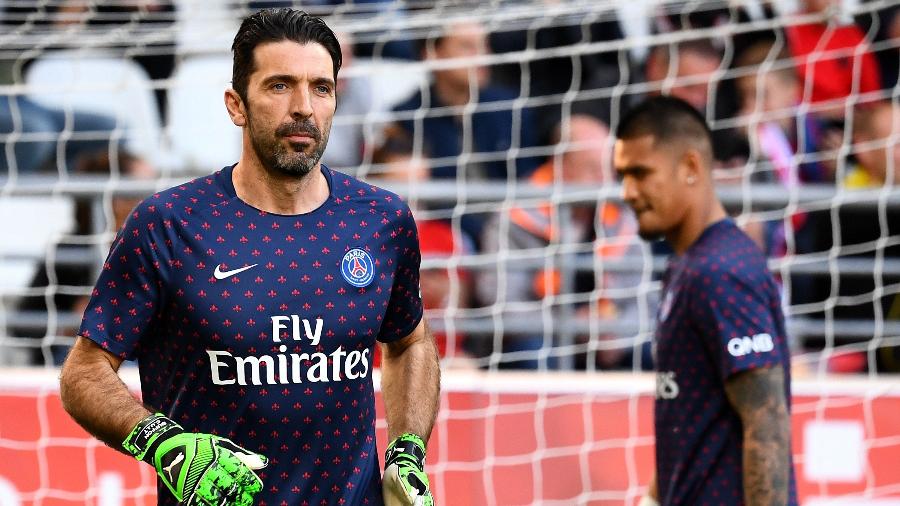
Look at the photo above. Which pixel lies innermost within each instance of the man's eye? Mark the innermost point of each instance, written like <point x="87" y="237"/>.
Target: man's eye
<point x="323" y="89"/>
<point x="279" y="86"/>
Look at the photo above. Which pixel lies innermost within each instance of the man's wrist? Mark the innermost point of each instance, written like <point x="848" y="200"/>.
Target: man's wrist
<point x="408" y="443"/>
<point x="146" y="436"/>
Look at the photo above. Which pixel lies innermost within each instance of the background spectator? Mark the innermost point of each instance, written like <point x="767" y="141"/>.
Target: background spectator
<point x="76" y="256"/>
<point x="554" y="75"/>
<point x="860" y="228"/>
<point x="827" y="52"/>
<point x="583" y="160"/>
<point x="34" y="135"/>
<point x="449" y="126"/>
<point x="769" y="96"/>
<point x="684" y="70"/>
<point x="442" y="288"/>
<point x="347" y="141"/>
<point x="447" y="130"/>
<point x="128" y="21"/>
<point x="877" y="151"/>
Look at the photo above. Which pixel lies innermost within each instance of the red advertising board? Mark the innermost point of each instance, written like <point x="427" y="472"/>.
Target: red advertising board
<point x="503" y="439"/>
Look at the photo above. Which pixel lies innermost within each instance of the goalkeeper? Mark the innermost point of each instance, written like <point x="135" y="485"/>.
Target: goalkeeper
<point x="252" y="300"/>
<point x="722" y="411"/>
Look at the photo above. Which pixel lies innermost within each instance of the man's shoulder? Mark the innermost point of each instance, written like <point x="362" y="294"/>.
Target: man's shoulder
<point x="348" y="189"/>
<point x="190" y="197"/>
<point x="727" y="252"/>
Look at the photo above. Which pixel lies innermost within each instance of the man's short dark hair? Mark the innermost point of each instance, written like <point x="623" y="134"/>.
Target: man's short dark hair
<point x="275" y="25"/>
<point x="668" y="120"/>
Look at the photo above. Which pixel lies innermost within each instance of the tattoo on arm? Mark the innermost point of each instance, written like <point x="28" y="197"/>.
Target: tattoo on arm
<point x="758" y="397"/>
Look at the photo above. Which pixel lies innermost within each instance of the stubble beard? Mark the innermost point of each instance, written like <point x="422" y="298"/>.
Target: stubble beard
<point x="289" y="159"/>
<point x="649" y="234"/>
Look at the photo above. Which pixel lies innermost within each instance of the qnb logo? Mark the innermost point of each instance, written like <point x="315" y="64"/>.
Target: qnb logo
<point x="758" y="343"/>
<point x="666" y="386"/>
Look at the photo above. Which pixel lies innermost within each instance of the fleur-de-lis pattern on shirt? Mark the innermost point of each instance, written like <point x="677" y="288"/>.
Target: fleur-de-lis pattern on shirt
<point x="721" y="315"/>
<point x="276" y="357"/>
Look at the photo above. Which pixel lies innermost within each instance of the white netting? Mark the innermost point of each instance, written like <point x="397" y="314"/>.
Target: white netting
<point x="530" y="260"/>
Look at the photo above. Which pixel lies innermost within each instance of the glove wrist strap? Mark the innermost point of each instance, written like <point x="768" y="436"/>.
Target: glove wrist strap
<point x="147" y="435"/>
<point x="413" y="446"/>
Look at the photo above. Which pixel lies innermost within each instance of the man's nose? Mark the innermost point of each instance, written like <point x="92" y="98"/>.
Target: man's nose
<point x="301" y="104"/>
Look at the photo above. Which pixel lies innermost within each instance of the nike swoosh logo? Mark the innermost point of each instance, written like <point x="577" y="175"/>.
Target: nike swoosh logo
<point x="219" y="274"/>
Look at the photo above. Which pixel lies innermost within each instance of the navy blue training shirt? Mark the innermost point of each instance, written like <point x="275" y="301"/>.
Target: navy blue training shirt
<point x="261" y="327"/>
<point x="720" y="315"/>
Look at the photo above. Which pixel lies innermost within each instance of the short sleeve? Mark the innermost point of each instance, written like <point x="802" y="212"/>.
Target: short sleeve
<point x="126" y="298"/>
<point x="404" y="310"/>
<point x="735" y="317"/>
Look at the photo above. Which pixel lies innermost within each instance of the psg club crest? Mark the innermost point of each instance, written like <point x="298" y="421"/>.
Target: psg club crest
<point x="357" y="268"/>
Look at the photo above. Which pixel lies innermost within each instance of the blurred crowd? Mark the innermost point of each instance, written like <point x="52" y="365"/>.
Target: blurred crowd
<point x="808" y="100"/>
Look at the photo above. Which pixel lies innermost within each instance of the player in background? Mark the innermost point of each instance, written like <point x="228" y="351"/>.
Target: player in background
<point x="722" y="410"/>
<point x="252" y="300"/>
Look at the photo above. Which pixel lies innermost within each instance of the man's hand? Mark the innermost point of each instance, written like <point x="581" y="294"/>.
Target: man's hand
<point x="199" y="469"/>
<point x="405" y="482"/>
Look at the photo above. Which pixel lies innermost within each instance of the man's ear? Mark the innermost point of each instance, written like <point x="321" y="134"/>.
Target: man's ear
<point x="693" y="167"/>
<point x="235" y="107"/>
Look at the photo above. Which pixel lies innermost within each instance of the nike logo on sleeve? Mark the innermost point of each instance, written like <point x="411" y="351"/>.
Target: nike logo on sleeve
<point x="220" y="274"/>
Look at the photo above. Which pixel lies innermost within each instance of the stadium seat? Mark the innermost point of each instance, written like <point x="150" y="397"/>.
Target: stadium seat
<point x="100" y="83"/>
<point x="201" y="134"/>
<point x="33" y="231"/>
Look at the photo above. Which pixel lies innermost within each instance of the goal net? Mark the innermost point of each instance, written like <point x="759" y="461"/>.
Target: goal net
<point x="493" y="120"/>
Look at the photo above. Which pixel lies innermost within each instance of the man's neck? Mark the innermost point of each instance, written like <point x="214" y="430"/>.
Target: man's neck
<point x="277" y="193"/>
<point x="698" y="219"/>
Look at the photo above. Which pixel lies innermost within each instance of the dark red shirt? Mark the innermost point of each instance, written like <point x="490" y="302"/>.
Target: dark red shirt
<point x="827" y="57"/>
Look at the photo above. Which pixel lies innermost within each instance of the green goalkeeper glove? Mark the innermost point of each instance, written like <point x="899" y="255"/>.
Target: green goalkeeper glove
<point x="199" y="469"/>
<point x="405" y="482"/>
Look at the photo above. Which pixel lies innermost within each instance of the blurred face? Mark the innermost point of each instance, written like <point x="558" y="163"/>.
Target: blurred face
<point x="694" y="65"/>
<point x="651" y="185"/>
<point x="585" y="162"/>
<point x="819" y="5"/>
<point x="435" y="285"/>
<point x="290" y="106"/>
<point x="777" y="95"/>
<point x="464" y="40"/>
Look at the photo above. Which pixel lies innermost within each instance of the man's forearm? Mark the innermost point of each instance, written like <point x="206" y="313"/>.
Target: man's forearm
<point x="766" y="461"/>
<point x="410" y="384"/>
<point x="94" y="395"/>
<point x="758" y="397"/>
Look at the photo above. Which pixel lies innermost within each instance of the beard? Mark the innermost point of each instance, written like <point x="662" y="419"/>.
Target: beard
<point x="649" y="233"/>
<point x="289" y="160"/>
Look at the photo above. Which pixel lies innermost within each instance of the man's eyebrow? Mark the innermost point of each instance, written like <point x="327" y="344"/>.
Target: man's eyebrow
<point x="324" y="80"/>
<point x="631" y="168"/>
<point x="288" y="78"/>
<point x="280" y="77"/>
